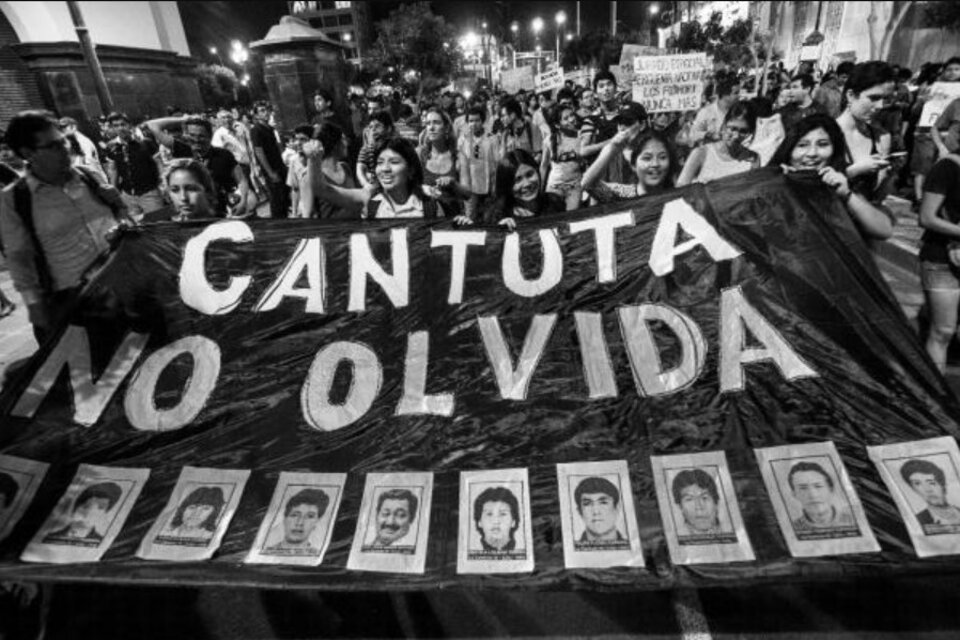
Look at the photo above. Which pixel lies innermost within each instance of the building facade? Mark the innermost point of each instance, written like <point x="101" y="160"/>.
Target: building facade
<point x="343" y="21"/>
<point x="830" y="31"/>
<point x="141" y="46"/>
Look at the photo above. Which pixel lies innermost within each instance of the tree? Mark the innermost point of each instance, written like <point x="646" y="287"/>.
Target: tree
<point x="598" y="49"/>
<point x="414" y="38"/>
<point x="218" y="85"/>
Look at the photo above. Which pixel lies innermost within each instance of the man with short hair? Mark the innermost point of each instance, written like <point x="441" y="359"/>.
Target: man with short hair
<point x="297" y="173"/>
<point x="695" y="492"/>
<point x="396" y="512"/>
<point x="611" y="117"/>
<point x="132" y="167"/>
<point x="801" y="102"/>
<point x="88" y="513"/>
<point x="813" y="489"/>
<point x="268" y="154"/>
<point x="829" y="94"/>
<point x="709" y="119"/>
<point x="598" y="503"/>
<point x="930" y="483"/>
<point x="56" y="222"/>
<point x="478" y="156"/>
<point x="301" y="515"/>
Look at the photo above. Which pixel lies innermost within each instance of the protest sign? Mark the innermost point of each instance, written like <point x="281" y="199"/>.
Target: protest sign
<point x="579" y="77"/>
<point x="631" y="51"/>
<point x="519" y="79"/>
<point x="746" y="313"/>
<point x="550" y="80"/>
<point x="941" y="94"/>
<point x="669" y="83"/>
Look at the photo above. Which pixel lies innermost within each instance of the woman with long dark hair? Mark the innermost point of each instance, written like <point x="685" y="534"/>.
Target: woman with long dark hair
<point x="520" y="191"/>
<point x="654" y="161"/>
<point x="399" y="176"/>
<point x="817" y="144"/>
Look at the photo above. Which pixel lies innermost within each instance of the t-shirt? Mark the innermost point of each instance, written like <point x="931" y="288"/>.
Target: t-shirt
<point x="263" y="136"/>
<point x="944" y="179"/>
<point x="137" y="172"/>
<point x="949" y="125"/>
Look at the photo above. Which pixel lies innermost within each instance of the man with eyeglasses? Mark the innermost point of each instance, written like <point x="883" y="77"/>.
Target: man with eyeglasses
<point x="56" y="222"/>
<point x="195" y="142"/>
<point x="132" y="168"/>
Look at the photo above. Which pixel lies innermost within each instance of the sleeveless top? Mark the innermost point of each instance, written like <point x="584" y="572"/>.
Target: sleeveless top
<point x="326" y="211"/>
<point x="451" y="204"/>
<point x="714" y="167"/>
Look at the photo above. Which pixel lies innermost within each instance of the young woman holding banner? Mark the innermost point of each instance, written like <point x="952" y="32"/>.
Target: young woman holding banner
<point x="817" y="144"/>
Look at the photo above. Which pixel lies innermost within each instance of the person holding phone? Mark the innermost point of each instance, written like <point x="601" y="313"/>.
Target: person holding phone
<point x="869" y="85"/>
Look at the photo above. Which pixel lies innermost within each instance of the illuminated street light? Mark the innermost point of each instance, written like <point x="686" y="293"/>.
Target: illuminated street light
<point x="470" y="40"/>
<point x="213" y="51"/>
<point x="654" y="9"/>
<point x="514" y="27"/>
<point x="537" y="25"/>
<point x="347" y="37"/>
<point x="561" y="17"/>
<point x="569" y="37"/>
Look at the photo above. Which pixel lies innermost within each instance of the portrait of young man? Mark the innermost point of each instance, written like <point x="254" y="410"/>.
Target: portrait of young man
<point x="598" y="503"/>
<point x="815" y="491"/>
<point x="88" y="516"/>
<point x="695" y="493"/>
<point x="301" y="515"/>
<point x="929" y="482"/>
<point x="395" y="515"/>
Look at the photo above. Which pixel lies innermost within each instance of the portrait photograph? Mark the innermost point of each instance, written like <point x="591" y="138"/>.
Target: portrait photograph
<point x="88" y="516"/>
<point x="818" y="511"/>
<point x="299" y="522"/>
<point x="19" y="480"/>
<point x="495" y="532"/>
<point x="924" y="479"/>
<point x="196" y="517"/>
<point x="394" y="523"/>
<point x="597" y="515"/>
<point x="699" y="509"/>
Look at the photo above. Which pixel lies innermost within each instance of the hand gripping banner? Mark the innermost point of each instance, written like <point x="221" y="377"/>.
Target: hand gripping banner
<point x="385" y="406"/>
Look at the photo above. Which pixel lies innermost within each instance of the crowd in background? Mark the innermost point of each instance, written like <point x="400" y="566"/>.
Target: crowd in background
<point x="486" y="158"/>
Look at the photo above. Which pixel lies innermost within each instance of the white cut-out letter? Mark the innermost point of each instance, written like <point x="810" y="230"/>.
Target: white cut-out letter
<point x="415" y="400"/>
<point x="195" y="290"/>
<point x="140" y="405"/>
<point x="90" y="397"/>
<point x="363" y="264"/>
<point x="677" y="214"/>
<point x="550" y="274"/>
<point x="366" y="378"/>
<point x="604" y="229"/>
<point x="513" y="380"/>
<point x="597" y="368"/>
<point x="458" y="241"/>
<point x="308" y="257"/>
<point x="648" y="373"/>
<point x="737" y="315"/>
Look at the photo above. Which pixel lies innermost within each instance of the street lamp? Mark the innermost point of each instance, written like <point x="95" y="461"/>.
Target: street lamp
<point x="537" y="26"/>
<point x="561" y="18"/>
<point x="654" y="9"/>
<point x="214" y="52"/>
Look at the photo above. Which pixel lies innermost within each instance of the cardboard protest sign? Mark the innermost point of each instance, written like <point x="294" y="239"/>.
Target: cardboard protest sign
<point x="941" y="94"/>
<point x="631" y="51"/>
<point x="550" y="80"/>
<point x="669" y="83"/>
<point x="519" y="79"/>
<point x="746" y="313"/>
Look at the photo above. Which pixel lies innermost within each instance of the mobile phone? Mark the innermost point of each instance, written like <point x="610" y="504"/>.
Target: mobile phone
<point x="897" y="154"/>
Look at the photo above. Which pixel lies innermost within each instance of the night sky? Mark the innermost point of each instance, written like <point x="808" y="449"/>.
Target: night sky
<point x="217" y="23"/>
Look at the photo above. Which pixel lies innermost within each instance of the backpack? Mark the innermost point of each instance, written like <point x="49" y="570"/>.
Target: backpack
<point x="23" y="206"/>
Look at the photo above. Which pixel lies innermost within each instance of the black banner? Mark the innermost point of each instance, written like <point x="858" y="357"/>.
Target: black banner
<point x="743" y="314"/>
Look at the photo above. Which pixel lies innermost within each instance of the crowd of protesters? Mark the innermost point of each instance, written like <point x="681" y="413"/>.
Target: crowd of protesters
<point x="486" y="158"/>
